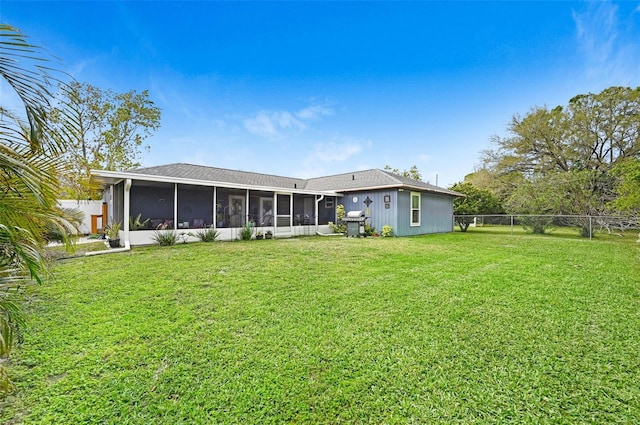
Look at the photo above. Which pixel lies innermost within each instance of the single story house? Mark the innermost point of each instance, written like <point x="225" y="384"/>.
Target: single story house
<point x="184" y="197"/>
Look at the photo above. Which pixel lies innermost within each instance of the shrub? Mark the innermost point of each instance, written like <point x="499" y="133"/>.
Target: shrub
<point x="165" y="237"/>
<point x="538" y="225"/>
<point x="246" y="232"/>
<point x="387" y="231"/>
<point x="369" y="230"/>
<point x="339" y="227"/>
<point x="207" y="235"/>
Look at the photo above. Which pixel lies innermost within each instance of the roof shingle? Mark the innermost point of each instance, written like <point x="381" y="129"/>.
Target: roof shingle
<point x="346" y="182"/>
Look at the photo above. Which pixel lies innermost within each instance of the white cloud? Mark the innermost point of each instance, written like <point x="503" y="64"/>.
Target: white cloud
<point x="333" y="152"/>
<point x="610" y="51"/>
<point x="596" y="30"/>
<point x="336" y="150"/>
<point x="272" y="125"/>
<point x="314" y="112"/>
<point x="277" y="124"/>
<point x="330" y="157"/>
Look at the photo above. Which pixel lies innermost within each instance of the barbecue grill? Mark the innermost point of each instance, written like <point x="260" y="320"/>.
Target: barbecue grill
<point x="355" y="221"/>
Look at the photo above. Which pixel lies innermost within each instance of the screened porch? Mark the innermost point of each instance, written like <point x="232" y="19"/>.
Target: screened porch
<point x="158" y="205"/>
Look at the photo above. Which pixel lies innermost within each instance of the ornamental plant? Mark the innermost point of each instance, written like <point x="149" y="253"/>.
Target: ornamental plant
<point x="339" y="226"/>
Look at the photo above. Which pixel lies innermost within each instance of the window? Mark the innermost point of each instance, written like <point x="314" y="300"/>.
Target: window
<point x="415" y="208"/>
<point x="328" y="202"/>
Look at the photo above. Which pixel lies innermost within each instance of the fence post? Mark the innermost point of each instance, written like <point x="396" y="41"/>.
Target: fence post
<point x="512" y="225"/>
<point x="590" y="227"/>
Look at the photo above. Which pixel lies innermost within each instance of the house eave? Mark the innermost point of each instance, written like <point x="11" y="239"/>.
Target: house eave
<point x="402" y="186"/>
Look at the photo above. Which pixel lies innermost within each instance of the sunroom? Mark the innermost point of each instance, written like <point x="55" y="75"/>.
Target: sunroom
<point x="145" y="206"/>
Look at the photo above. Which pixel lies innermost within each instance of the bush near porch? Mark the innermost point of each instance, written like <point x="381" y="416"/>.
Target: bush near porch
<point x="460" y="327"/>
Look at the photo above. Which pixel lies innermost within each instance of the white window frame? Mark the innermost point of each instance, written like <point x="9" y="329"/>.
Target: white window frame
<point x="411" y="209"/>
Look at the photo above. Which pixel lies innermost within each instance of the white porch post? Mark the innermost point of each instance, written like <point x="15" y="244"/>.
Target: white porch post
<point x="246" y="213"/>
<point x="275" y="211"/>
<point x="175" y="206"/>
<point x="109" y="219"/>
<point x="215" y="207"/>
<point x="291" y="210"/>
<point x="127" y="211"/>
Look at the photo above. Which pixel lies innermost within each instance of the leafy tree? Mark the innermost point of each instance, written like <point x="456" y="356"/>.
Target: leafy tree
<point x="501" y="185"/>
<point x="476" y="202"/>
<point x="627" y="174"/>
<point x="412" y="173"/>
<point x="29" y="169"/>
<point x="109" y="135"/>
<point x="577" y="147"/>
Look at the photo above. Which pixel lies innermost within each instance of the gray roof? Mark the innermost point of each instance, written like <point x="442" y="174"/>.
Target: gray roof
<point x="204" y="173"/>
<point x="372" y="179"/>
<point x="346" y="182"/>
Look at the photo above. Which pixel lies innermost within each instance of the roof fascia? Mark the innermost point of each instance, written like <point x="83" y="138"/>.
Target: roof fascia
<point x="402" y="186"/>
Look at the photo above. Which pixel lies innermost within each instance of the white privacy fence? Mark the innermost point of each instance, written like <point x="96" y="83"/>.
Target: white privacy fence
<point x="88" y="208"/>
<point x="586" y="225"/>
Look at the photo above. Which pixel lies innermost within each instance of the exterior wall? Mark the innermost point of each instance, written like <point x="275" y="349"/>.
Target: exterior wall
<point x="385" y="207"/>
<point x="88" y="208"/>
<point x="436" y="214"/>
<point x="379" y="212"/>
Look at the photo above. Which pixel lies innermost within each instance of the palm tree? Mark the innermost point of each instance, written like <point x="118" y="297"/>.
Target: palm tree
<point x="29" y="169"/>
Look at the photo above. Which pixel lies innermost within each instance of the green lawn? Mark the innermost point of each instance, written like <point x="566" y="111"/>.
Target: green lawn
<point x="470" y="327"/>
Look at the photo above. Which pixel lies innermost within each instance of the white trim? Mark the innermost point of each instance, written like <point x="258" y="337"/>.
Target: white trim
<point x="214" y="223"/>
<point x="175" y="207"/>
<point x="246" y="210"/>
<point x="126" y="211"/>
<point x="411" y="209"/>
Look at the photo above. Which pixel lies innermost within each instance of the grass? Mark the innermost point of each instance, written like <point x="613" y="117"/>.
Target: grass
<point x="456" y="328"/>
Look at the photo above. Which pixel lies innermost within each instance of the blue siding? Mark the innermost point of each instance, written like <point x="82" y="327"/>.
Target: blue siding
<point x="436" y="214"/>
<point x="377" y="213"/>
<point x="436" y="211"/>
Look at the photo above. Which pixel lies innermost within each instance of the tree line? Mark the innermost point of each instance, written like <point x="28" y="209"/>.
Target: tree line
<point x="579" y="159"/>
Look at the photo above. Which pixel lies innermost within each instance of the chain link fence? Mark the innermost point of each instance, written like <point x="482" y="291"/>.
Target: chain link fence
<point x="585" y="225"/>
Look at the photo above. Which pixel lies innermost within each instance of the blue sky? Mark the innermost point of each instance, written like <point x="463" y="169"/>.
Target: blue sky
<point x="313" y="88"/>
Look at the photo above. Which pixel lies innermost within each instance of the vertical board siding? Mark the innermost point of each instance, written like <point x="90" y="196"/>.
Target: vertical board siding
<point x="377" y="214"/>
<point x="403" y="227"/>
<point x="436" y="214"/>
